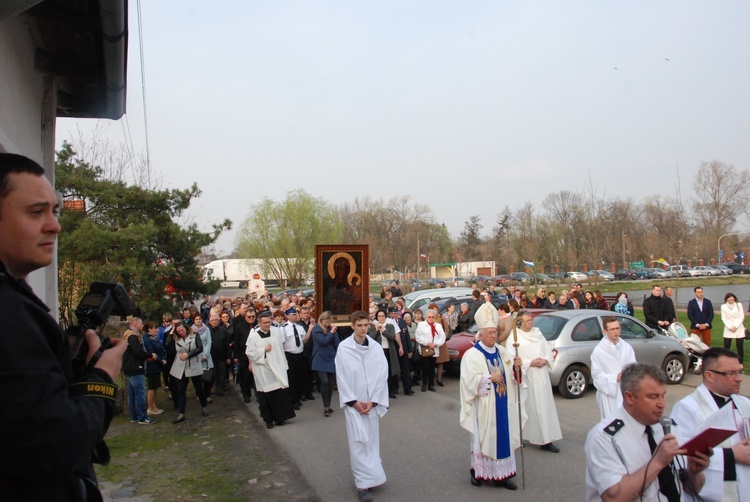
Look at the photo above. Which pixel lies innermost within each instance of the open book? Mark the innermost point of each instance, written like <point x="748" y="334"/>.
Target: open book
<point x="716" y="429"/>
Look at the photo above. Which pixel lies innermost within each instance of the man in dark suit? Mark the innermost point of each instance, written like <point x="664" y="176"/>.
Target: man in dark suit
<point x="241" y="326"/>
<point x="700" y="311"/>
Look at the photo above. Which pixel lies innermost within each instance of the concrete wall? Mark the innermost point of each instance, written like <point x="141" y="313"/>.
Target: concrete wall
<point x="27" y="122"/>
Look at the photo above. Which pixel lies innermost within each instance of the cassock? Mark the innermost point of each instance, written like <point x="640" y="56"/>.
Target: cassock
<point x="607" y="361"/>
<point x="689" y="413"/>
<point x="269" y="369"/>
<point x="542" y="425"/>
<point x="492" y="420"/>
<point x="362" y="375"/>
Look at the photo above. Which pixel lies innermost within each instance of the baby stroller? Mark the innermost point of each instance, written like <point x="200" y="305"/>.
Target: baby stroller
<point x="692" y="344"/>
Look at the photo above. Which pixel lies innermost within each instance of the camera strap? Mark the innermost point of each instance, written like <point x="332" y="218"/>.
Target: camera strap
<point x="94" y="389"/>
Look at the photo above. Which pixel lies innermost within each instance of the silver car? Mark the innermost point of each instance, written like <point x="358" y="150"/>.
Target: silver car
<point x="573" y="335"/>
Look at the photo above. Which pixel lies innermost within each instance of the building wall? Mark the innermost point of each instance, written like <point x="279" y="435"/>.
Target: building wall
<point x="27" y="122"/>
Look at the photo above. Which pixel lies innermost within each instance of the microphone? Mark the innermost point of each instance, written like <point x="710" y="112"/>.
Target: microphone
<point x="666" y="424"/>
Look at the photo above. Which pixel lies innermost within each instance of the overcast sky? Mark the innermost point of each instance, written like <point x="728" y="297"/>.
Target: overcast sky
<point x="466" y="106"/>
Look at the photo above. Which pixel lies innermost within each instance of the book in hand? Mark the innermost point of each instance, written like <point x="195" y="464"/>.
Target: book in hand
<point x="715" y="429"/>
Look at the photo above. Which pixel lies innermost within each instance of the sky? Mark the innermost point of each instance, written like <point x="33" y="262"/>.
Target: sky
<point x="464" y="106"/>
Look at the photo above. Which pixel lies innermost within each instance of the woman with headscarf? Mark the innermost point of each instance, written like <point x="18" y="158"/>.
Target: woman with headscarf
<point x="431" y="338"/>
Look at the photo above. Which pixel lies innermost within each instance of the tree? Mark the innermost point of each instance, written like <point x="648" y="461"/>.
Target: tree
<point x="470" y="239"/>
<point x="129" y="235"/>
<point x="283" y="234"/>
<point x="722" y="191"/>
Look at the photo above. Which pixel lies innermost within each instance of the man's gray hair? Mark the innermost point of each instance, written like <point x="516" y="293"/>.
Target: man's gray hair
<point x="464" y="304"/>
<point x="433" y="311"/>
<point x="633" y="373"/>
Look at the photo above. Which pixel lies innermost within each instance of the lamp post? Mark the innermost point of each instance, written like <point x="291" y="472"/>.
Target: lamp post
<point x="718" y="244"/>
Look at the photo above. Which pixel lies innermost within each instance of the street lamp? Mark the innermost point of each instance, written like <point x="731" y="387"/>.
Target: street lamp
<point x="718" y="244"/>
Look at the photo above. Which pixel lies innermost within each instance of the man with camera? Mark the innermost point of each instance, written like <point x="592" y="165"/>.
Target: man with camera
<point x="53" y="425"/>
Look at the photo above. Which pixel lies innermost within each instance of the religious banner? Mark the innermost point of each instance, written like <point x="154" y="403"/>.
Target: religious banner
<point x="342" y="280"/>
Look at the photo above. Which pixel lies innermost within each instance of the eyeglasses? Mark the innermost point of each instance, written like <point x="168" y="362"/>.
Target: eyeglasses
<point x="250" y="316"/>
<point x="728" y="373"/>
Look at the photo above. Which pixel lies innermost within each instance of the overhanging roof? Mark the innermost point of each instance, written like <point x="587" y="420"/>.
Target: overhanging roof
<point x="82" y="44"/>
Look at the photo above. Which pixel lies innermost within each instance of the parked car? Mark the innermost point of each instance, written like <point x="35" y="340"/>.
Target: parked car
<point x="480" y="280"/>
<point x="724" y="269"/>
<point x="576" y="276"/>
<point x="573" y="335"/>
<point x="625" y="274"/>
<point x="643" y="273"/>
<point x="454" y="282"/>
<point x="521" y="277"/>
<point x="418" y="284"/>
<point x="542" y="278"/>
<point x="461" y="342"/>
<point x="705" y="270"/>
<point x="557" y="276"/>
<point x="681" y="270"/>
<point x="736" y="268"/>
<point x="435" y="281"/>
<point x="659" y="273"/>
<point x="502" y="279"/>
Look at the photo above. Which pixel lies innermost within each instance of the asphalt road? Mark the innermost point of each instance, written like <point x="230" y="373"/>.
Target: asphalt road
<point x="425" y="452"/>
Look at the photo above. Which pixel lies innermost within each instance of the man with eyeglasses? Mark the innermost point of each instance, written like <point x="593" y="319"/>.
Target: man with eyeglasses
<point x="242" y="324"/>
<point x="608" y="359"/>
<point x="728" y="474"/>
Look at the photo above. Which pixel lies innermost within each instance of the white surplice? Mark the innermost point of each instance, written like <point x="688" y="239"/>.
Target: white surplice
<point x="689" y="413"/>
<point x="607" y="361"/>
<point x="542" y="425"/>
<point x="362" y="375"/>
<point x="269" y="368"/>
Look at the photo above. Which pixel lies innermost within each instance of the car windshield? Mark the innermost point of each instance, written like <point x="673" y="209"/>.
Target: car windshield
<point x="550" y="325"/>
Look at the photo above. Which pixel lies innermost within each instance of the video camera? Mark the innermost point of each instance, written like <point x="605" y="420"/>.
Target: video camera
<point x="104" y="299"/>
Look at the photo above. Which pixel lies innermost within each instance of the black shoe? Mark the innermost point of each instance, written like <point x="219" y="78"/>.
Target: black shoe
<point x="409" y="393"/>
<point x="550" y="447"/>
<point x="247" y="399"/>
<point x="303" y="398"/>
<point x="296" y="407"/>
<point x="431" y="388"/>
<point x="178" y="420"/>
<point x="424" y="387"/>
<point x="280" y="423"/>
<point x="269" y="425"/>
<point x="474" y="480"/>
<point x="310" y="397"/>
<point x="507" y="484"/>
<point x="440" y="383"/>
<point x="392" y="395"/>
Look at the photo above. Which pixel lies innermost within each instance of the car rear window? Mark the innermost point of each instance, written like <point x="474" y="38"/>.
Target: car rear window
<point x="549" y="325"/>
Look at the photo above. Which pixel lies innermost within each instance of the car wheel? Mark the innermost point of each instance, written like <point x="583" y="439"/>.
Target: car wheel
<point x="674" y="367"/>
<point x="574" y="382"/>
<point x="243" y="284"/>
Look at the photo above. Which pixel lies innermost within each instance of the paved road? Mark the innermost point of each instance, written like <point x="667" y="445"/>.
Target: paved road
<point x="425" y="451"/>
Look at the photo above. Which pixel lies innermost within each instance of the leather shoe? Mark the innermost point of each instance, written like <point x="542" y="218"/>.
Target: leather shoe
<point x="392" y="395"/>
<point x="178" y="420"/>
<point x="507" y="484"/>
<point x="247" y="399"/>
<point x="474" y="480"/>
<point x="431" y="388"/>
<point x="410" y="393"/>
<point x="269" y="425"/>
<point x="424" y="387"/>
<point x="310" y="397"/>
<point x="440" y="383"/>
<point x="296" y="407"/>
<point x="550" y="447"/>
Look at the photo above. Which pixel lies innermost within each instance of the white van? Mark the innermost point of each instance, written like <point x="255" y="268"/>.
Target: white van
<point x="416" y="299"/>
<point x="682" y="271"/>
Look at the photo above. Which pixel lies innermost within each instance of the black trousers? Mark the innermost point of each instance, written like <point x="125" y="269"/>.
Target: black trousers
<point x="403" y="363"/>
<point x="247" y="382"/>
<point x="182" y="384"/>
<point x="428" y="371"/>
<point x="297" y="373"/>
<point x="740" y="348"/>
<point x="220" y="375"/>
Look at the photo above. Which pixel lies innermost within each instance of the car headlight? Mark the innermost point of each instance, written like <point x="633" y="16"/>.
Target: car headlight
<point x="452" y="353"/>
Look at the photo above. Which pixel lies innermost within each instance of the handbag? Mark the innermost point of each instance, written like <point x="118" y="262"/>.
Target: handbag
<point x="208" y="373"/>
<point x="427" y="351"/>
<point x="747" y="334"/>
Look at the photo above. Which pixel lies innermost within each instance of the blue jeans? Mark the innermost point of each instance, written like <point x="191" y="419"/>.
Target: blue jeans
<point x="137" y="397"/>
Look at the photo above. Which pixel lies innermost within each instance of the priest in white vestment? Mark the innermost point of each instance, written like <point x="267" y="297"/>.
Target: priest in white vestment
<point x="728" y="474"/>
<point x="608" y="359"/>
<point x="489" y="406"/>
<point x="542" y="426"/>
<point x="362" y="378"/>
<point x="266" y="354"/>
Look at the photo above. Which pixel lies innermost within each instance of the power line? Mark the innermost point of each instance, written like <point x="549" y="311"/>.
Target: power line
<point x="143" y="90"/>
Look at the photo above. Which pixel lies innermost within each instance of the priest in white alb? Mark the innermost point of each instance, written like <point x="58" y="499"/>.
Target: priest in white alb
<point x="489" y="405"/>
<point x="608" y="359"/>
<point x="542" y="426"/>
<point x="362" y="378"/>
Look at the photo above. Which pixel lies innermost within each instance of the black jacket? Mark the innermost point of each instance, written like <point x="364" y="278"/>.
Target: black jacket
<point x="219" y="343"/>
<point x="134" y="359"/>
<point x="654" y="310"/>
<point x="47" y="434"/>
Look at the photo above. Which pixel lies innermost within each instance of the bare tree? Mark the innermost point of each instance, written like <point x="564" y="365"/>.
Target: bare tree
<point x="721" y="191"/>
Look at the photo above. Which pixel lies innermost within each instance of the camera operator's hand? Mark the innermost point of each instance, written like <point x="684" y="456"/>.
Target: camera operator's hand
<point x="111" y="359"/>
